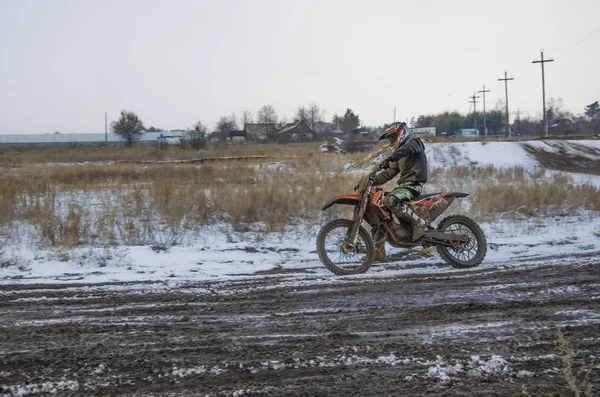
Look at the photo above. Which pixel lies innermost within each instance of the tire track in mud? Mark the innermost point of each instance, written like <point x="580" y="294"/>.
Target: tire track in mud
<point x="489" y="331"/>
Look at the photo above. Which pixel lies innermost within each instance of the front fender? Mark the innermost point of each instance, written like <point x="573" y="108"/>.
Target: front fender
<point x="347" y="199"/>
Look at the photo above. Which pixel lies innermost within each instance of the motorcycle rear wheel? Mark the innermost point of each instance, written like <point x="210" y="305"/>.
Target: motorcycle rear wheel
<point x="330" y="242"/>
<point x="473" y="251"/>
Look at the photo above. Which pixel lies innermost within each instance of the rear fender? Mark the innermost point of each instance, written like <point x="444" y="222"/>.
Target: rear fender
<point x="346" y="199"/>
<point x="432" y="207"/>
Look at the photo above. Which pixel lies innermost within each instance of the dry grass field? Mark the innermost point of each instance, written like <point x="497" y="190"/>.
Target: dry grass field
<point x="69" y="197"/>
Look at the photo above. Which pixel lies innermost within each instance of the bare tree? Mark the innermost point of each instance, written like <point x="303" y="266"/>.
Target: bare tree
<point x="246" y="118"/>
<point x="129" y="127"/>
<point x="315" y="115"/>
<point x="301" y="114"/>
<point x="282" y="123"/>
<point x="234" y="124"/>
<point x="311" y="114"/>
<point x="224" y="125"/>
<point x="267" y="115"/>
<point x="556" y="109"/>
<point x="198" y="136"/>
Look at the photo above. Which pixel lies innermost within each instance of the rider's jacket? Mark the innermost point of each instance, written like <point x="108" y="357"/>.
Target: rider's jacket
<point x="409" y="161"/>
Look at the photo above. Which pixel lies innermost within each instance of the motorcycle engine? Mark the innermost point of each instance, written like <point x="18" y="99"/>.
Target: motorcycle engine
<point x="401" y="230"/>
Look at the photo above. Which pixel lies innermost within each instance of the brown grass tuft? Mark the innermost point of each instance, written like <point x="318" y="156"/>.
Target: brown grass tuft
<point x="578" y="382"/>
<point x="497" y="191"/>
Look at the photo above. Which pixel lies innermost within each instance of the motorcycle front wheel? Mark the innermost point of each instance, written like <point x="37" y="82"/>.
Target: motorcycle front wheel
<point x="338" y="255"/>
<point x="474" y="248"/>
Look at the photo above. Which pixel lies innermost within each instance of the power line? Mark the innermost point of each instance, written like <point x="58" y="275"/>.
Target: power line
<point x="484" y="121"/>
<point x="474" y="102"/>
<point x="587" y="54"/>
<point x="579" y="42"/>
<point x="506" y="79"/>
<point x="542" y="61"/>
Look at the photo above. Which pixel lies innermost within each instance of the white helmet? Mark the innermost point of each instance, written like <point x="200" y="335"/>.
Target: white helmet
<point x="398" y="134"/>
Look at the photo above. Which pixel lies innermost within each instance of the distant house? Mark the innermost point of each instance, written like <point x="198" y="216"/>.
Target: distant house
<point x="237" y="135"/>
<point x="299" y="131"/>
<point x="173" y="137"/>
<point x="424" y="131"/>
<point x="563" y="126"/>
<point x="259" y="132"/>
<point x="324" y="129"/>
<point x="467" y="133"/>
<point x="362" y="133"/>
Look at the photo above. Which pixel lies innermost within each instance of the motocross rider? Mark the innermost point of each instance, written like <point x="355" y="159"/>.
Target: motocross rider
<point x="408" y="160"/>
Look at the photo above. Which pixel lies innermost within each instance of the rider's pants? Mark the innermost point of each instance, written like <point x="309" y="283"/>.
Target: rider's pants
<point x="397" y="202"/>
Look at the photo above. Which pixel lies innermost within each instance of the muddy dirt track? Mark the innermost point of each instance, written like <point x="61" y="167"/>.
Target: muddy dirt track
<point x="564" y="161"/>
<point x="481" y="332"/>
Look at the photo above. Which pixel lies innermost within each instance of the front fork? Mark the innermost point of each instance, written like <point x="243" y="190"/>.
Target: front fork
<point x="359" y="213"/>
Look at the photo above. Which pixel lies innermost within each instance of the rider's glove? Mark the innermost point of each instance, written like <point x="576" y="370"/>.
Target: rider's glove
<point x="385" y="164"/>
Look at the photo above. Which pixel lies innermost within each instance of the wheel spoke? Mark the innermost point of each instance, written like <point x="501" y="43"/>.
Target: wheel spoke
<point x="333" y="248"/>
<point x="470" y="248"/>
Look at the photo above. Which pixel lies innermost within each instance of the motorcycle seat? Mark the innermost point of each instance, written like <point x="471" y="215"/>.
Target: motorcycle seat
<point x="421" y="196"/>
<point x="425" y="196"/>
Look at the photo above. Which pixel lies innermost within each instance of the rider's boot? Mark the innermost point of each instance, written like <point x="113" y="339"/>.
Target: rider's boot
<point x="417" y="223"/>
<point x="380" y="254"/>
<point x="418" y="228"/>
<point x="406" y="213"/>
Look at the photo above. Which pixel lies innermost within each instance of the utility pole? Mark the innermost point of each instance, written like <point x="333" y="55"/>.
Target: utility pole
<point x="474" y="102"/>
<point x="484" y="121"/>
<point x="542" y="61"/>
<point x="105" y="127"/>
<point x="506" y="79"/>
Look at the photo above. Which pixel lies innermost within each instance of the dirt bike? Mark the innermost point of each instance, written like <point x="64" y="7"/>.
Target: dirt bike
<point x="345" y="247"/>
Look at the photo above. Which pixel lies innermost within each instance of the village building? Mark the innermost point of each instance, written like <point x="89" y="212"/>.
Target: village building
<point x="259" y="132"/>
<point x="237" y="135"/>
<point x="299" y="131"/>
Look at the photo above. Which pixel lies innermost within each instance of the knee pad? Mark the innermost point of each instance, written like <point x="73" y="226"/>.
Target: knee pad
<point x="392" y="201"/>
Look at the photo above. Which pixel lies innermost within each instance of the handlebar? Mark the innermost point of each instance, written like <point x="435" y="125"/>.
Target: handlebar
<point x="373" y="172"/>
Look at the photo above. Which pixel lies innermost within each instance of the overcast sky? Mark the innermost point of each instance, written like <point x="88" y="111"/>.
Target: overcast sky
<point x="64" y="63"/>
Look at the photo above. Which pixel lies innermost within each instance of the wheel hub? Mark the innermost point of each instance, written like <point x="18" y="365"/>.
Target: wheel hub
<point x="347" y="247"/>
<point x="463" y="244"/>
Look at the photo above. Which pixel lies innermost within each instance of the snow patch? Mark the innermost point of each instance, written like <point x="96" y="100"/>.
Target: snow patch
<point x="41" y="388"/>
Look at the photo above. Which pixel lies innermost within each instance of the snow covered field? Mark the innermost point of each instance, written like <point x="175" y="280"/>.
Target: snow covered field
<point x="218" y="252"/>
<point x="228" y="313"/>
